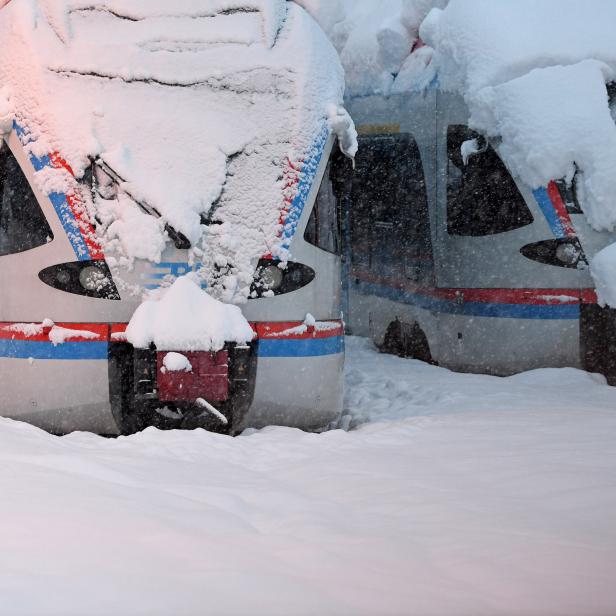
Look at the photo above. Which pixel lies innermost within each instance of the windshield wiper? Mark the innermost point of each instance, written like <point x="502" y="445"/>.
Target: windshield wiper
<point x="180" y="241"/>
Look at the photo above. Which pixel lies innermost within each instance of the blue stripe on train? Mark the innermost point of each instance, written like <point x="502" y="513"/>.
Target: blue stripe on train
<point x="550" y="213"/>
<point x="478" y="309"/>
<point x="26" y="349"/>
<point x="308" y="173"/>
<point x="59" y="202"/>
<point x="305" y="347"/>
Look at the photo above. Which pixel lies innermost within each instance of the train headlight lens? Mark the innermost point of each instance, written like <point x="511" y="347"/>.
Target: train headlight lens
<point x="271" y="277"/>
<point x="92" y="279"/>
<point x="568" y="254"/>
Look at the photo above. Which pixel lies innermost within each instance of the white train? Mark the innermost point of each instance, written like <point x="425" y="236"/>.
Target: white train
<point x="65" y="364"/>
<point x="460" y="263"/>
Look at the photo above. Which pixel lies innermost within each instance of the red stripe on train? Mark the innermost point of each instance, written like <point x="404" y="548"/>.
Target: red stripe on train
<point x="67" y="332"/>
<point x="76" y="205"/>
<point x="539" y="297"/>
<point x="284" y="330"/>
<point x="561" y="209"/>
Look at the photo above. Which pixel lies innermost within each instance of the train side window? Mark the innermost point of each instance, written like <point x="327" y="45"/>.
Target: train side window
<point x="323" y="228"/>
<point x="482" y="197"/>
<point x="22" y="223"/>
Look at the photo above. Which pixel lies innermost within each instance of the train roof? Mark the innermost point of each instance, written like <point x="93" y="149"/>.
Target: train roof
<point x="200" y="108"/>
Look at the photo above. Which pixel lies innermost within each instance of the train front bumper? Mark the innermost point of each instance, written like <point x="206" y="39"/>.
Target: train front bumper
<point x="291" y="374"/>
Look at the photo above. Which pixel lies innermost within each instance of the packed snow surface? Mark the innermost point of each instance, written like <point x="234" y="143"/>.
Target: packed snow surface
<point x="193" y="112"/>
<point x="184" y="317"/>
<point x="453" y="494"/>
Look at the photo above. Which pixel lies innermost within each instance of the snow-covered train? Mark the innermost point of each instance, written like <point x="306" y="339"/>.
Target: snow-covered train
<point x="67" y="288"/>
<point x="452" y="260"/>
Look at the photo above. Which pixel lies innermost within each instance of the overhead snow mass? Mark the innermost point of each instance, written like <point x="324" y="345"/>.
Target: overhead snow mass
<point x="603" y="271"/>
<point x="193" y="110"/>
<point x="183" y="317"/>
<point x="375" y="40"/>
<point x="461" y="495"/>
<point x="534" y="74"/>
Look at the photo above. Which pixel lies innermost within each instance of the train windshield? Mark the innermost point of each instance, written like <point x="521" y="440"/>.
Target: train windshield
<point x="389" y="224"/>
<point x="22" y="223"/>
<point x="482" y="197"/>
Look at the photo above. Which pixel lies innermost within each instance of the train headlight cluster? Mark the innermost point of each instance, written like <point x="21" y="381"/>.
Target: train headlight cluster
<point x="273" y="278"/>
<point x="89" y="278"/>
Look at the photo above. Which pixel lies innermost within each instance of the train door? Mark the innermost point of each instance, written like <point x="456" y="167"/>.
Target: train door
<point x="391" y="247"/>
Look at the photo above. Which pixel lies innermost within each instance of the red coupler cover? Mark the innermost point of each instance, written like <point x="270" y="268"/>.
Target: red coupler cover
<point x="208" y="378"/>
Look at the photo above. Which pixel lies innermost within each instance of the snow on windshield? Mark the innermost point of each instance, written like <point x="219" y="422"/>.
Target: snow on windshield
<point x="195" y="112"/>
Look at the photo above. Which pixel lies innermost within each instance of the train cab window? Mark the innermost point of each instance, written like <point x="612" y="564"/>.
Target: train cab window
<point x="389" y="220"/>
<point x="22" y="223"/>
<point x="482" y="197"/>
<point x="323" y="228"/>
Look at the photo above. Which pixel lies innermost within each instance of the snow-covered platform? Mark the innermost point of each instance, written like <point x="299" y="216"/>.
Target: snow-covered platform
<point x="453" y="494"/>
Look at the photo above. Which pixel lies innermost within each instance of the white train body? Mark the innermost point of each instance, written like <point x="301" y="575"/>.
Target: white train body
<point x="65" y="364"/>
<point x="460" y="263"/>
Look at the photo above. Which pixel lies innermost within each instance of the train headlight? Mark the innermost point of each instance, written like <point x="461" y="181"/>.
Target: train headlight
<point x="568" y="254"/>
<point x="89" y="278"/>
<point x="271" y="277"/>
<point x="92" y="278"/>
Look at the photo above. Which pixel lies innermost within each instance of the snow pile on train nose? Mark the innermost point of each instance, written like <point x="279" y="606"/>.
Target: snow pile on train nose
<point x="183" y="317"/>
<point x="198" y="109"/>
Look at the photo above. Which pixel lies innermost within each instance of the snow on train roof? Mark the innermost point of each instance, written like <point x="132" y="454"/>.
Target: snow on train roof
<point x="200" y="110"/>
<point x="534" y="74"/>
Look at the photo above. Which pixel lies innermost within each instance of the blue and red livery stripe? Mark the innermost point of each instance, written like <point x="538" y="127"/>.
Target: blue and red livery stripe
<point x="280" y="339"/>
<point x="298" y="340"/>
<point x="555" y="211"/>
<point x="16" y="343"/>
<point x="298" y="180"/>
<point x="500" y="303"/>
<point x="68" y="206"/>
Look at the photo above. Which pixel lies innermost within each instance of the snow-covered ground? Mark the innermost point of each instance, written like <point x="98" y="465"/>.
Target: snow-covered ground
<point x="453" y="494"/>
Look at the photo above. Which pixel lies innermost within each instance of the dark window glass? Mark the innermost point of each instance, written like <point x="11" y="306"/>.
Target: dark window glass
<point x="611" y="93"/>
<point x="22" y="222"/>
<point x="323" y="228"/>
<point x="482" y="198"/>
<point x="390" y="227"/>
